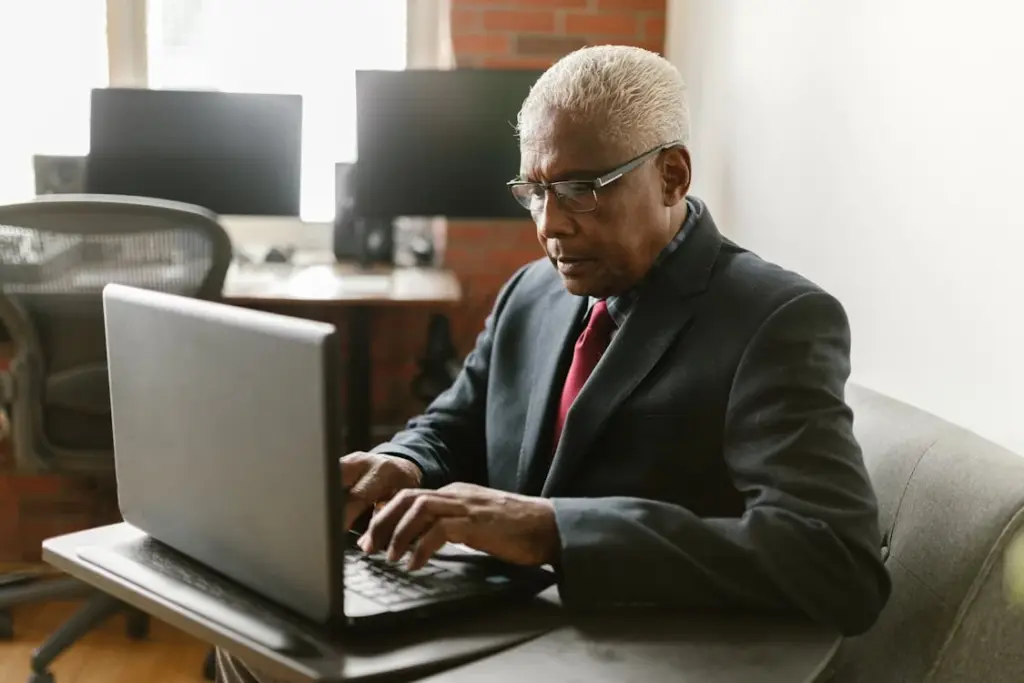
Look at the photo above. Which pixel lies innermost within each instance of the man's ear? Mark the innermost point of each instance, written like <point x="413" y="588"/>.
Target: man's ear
<point x="675" y="174"/>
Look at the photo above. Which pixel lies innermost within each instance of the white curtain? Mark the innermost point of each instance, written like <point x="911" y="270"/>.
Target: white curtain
<point x="52" y="54"/>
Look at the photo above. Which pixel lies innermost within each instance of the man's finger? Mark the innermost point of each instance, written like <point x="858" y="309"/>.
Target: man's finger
<point x="444" y="530"/>
<point x="378" y="534"/>
<point x="418" y="518"/>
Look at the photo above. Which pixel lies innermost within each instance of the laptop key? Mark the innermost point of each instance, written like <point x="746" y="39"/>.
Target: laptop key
<point x="388" y="583"/>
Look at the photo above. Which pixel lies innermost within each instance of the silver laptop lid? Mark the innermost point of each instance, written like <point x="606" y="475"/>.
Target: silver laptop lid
<point x="224" y="436"/>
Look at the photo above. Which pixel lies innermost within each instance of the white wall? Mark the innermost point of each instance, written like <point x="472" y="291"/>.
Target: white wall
<point x="877" y="147"/>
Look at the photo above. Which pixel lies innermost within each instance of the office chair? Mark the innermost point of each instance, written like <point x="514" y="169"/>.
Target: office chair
<point x="56" y="254"/>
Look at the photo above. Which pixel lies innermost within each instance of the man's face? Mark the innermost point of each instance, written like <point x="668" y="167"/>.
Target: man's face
<point x="606" y="251"/>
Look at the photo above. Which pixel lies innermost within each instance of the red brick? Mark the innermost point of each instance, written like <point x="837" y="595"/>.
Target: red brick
<point x="40" y="485"/>
<point x="519" y="21"/>
<point x="468" y="261"/>
<point x="465" y="20"/>
<point x="553" y="4"/>
<point x="516" y="62"/>
<point x="604" y="24"/>
<point x="497" y="233"/>
<point x="634" y="5"/>
<point x="74" y="508"/>
<point x="481" y="44"/>
<point x="654" y="28"/>
<point x="551" y="47"/>
<point x="464" y="61"/>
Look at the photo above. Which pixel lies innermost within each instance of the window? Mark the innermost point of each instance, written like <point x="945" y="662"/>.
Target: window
<point x="52" y="54"/>
<point x="306" y="47"/>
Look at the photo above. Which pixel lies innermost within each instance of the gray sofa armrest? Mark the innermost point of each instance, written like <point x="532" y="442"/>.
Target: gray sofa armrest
<point x="986" y="642"/>
<point x="951" y="504"/>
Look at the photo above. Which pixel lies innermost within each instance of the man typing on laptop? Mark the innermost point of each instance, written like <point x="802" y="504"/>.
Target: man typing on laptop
<point x="651" y="409"/>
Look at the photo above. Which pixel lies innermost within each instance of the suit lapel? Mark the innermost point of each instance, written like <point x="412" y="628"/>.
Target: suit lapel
<point x="665" y="306"/>
<point x="556" y="340"/>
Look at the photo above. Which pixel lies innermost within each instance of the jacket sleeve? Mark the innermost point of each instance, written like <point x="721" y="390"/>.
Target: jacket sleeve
<point x="809" y="538"/>
<point x="447" y="441"/>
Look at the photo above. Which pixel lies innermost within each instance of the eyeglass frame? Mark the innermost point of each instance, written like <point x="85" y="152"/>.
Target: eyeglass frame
<point x="598" y="183"/>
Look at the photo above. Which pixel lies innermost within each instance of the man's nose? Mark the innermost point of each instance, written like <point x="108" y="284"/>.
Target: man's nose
<point x="552" y="221"/>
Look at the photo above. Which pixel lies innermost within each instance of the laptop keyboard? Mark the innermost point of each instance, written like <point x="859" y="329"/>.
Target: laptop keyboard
<point x="374" y="578"/>
<point x="370" y="576"/>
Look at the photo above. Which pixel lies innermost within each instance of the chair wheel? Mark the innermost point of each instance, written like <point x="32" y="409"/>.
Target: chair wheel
<point x="40" y="678"/>
<point x="210" y="666"/>
<point x="137" y="625"/>
<point x="6" y="625"/>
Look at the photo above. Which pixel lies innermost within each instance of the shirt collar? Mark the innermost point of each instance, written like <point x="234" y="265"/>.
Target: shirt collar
<point x="620" y="306"/>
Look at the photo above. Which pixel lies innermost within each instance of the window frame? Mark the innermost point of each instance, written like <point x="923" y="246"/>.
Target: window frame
<point x="428" y="39"/>
<point x="127" y="43"/>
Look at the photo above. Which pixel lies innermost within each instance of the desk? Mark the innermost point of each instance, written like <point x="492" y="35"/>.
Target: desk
<point x="314" y="278"/>
<point x="542" y="645"/>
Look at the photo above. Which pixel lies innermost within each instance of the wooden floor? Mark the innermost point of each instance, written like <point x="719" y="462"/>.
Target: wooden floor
<point x="106" y="655"/>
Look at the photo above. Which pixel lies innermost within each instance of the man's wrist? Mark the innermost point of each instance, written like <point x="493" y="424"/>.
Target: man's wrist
<point x="548" y="539"/>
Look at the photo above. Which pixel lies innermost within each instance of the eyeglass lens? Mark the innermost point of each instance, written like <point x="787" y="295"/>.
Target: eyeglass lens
<point x="576" y="197"/>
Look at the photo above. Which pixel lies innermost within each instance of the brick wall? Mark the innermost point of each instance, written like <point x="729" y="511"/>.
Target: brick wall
<point x="526" y="34"/>
<point x="488" y="34"/>
<point x="533" y="33"/>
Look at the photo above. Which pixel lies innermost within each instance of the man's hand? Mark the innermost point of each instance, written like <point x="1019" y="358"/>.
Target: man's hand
<point x="372" y="478"/>
<point x="515" y="528"/>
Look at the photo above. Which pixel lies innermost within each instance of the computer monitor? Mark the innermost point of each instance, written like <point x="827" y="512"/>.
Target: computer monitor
<point x="438" y="143"/>
<point x="234" y="154"/>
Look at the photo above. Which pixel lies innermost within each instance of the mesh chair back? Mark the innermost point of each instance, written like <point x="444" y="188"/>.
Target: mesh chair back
<point x="57" y="253"/>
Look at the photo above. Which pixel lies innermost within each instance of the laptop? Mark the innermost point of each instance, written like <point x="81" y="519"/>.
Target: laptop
<point x="227" y="436"/>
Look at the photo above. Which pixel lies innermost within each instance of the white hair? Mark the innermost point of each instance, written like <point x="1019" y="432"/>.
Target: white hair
<point x="637" y="98"/>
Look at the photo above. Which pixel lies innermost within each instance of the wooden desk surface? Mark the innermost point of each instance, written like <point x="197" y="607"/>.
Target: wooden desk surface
<point x="591" y="649"/>
<point x="314" y="279"/>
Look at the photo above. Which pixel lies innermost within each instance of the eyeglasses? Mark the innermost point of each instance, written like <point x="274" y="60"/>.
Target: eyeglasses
<point x="577" y="196"/>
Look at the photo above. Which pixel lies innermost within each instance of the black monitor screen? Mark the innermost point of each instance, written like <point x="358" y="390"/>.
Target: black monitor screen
<point x="231" y="153"/>
<point x="438" y="143"/>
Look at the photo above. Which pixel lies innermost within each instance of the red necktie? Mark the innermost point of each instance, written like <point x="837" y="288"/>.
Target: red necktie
<point x="590" y="347"/>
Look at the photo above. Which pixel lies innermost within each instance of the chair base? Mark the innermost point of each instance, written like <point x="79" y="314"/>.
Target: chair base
<point x="6" y="625"/>
<point x="35" y="590"/>
<point x="210" y="665"/>
<point x="96" y="610"/>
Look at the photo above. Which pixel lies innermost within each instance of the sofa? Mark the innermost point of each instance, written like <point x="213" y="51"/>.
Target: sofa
<point x="951" y="507"/>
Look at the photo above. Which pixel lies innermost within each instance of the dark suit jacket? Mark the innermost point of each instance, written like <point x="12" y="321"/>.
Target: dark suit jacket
<point x="708" y="462"/>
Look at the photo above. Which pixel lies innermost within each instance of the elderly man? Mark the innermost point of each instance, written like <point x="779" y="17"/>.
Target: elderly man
<point x="650" y="408"/>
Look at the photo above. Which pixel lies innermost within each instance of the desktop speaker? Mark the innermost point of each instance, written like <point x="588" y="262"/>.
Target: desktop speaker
<point x="346" y="240"/>
<point x="59" y="174"/>
<point x="368" y="241"/>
